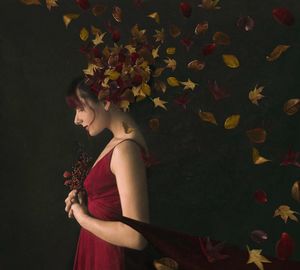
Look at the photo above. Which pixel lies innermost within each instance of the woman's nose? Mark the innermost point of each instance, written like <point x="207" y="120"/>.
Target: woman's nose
<point x="76" y="120"/>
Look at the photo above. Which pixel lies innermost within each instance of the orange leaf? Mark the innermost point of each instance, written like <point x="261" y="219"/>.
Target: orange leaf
<point x="221" y="38"/>
<point x="291" y="106"/>
<point x="277" y="52"/>
<point x="117" y="13"/>
<point x="257" y="159"/>
<point x="257" y="135"/>
<point x="196" y="64"/>
<point x="208" y="117"/>
<point x="201" y="28"/>
<point x="69" y="17"/>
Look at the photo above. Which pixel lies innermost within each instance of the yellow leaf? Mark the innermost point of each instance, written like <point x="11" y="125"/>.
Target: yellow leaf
<point x="95" y="30"/>
<point x="158" y="102"/>
<point x="113" y="75"/>
<point x="189" y="84"/>
<point x="98" y="39"/>
<point x="171" y="63"/>
<point x="277" y="52"/>
<point x="137" y="34"/>
<point x="69" y="17"/>
<point x="124" y="105"/>
<point x="257" y="159"/>
<point x="160" y="86"/>
<point x="295" y="191"/>
<point x="90" y="69"/>
<point x="31" y="2"/>
<point x="160" y="35"/>
<point x="51" y="3"/>
<point x="172" y="81"/>
<point x="130" y="48"/>
<point x="291" y="106"/>
<point x="232" y="121"/>
<point x="221" y="38"/>
<point x="157" y="72"/>
<point x="84" y="34"/>
<point x="257" y="258"/>
<point x="230" y="60"/>
<point x="155" y="52"/>
<point x="146" y="89"/>
<point x="127" y="128"/>
<point x="154" y="16"/>
<point x="171" y="50"/>
<point x="285" y="212"/>
<point x="256" y="95"/>
<point x="208" y="117"/>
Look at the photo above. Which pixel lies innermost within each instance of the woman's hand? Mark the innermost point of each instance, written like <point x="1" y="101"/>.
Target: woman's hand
<point x="69" y="200"/>
<point x="79" y="207"/>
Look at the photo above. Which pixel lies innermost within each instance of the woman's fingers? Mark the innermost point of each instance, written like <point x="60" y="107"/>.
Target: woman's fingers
<point x="70" y="214"/>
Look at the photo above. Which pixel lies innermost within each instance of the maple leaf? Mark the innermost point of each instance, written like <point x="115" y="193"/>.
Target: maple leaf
<point x="160" y="35"/>
<point x="189" y="84"/>
<point x="285" y="212"/>
<point x="158" y="102"/>
<point x="155" y="52"/>
<point x="255" y="94"/>
<point x="98" y="39"/>
<point x="130" y="48"/>
<point x="90" y="69"/>
<point x="257" y="258"/>
<point x="171" y="63"/>
<point x="137" y="34"/>
<point x="211" y="252"/>
<point x="51" y="3"/>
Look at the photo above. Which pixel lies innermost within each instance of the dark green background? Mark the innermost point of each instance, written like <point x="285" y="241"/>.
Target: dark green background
<point x="205" y="182"/>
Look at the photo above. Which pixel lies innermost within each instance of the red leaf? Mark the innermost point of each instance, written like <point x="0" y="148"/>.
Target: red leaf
<point x="67" y="174"/>
<point x="209" y="48"/>
<point x="116" y="35"/>
<point x="284" y="246"/>
<point x="211" y="252"/>
<point x="260" y="196"/>
<point x="84" y="4"/>
<point x="283" y="16"/>
<point x="187" y="43"/>
<point x="182" y="100"/>
<point x="218" y="92"/>
<point x="291" y="159"/>
<point x="186" y="9"/>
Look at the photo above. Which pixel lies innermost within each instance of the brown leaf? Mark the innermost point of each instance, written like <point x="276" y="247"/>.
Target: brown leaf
<point x="99" y="9"/>
<point x="277" y="52"/>
<point x="257" y="135"/>
<point x="221" y="38"/>
<point x="295" y="191"/>
<point x="201" y="28"/>
<point x="117" y="13"/>
<point x="196" y="64"/>
<point x="291" y="106"/>
<point x="208" y="117"/>
<point x="174" y="31"/>
<point x="165" y="263"/>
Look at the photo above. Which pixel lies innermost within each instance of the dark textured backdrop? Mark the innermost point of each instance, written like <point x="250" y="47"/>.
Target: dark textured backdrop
<point x="206" y="179"/>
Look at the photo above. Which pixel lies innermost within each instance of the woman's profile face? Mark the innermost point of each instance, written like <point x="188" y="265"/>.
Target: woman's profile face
<point x="90" y="117"/>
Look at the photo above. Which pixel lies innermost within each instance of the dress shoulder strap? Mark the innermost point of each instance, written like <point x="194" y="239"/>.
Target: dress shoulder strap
<point x="142" y="148"/>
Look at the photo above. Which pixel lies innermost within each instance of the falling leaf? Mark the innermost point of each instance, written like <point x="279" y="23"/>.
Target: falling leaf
<point x="232" y="121"/>
<point x="258" y="236"/>
<point x="208" y="117"/>
<point x="209" y="48"/>
<point x="257" y="135"/>
<point x="171" y="63"/>
<point x="98" y="39"/>
<point x="127" y="128"/>
<point x="257" y="258"/>
<point x="84" y="4"/>
<point x="209" y="4"/>
<point x="154" y="124"/>
<point x="171" y="50"/>
<point x="291" y="159"/>
<point x="201" y="28"/>
<point x="99" y="9"/>
<point x="160" y="35"/>
<point x="172" y="81"/>
<point x="283" y="16"/>
<point x="95" y="30"/>
<point x="155" y="52"/>
<point x="158" y="71"/>
<point x="174" y="31"/>
<point x="212" y="252"/>
<point x="285" y="212"/>
<point x="189" y="84"/>
<point x="221" y="38"/>
<point x="291" y="106"/>
<point x="51" y="3"/>
<point x="284" y="246"/>
<point x="69" y="17"/>
<point x="187" y="43"/>
<point x="185" y="8"/>
<point x="158" y="102"/>
<point x="90" y="69"/>
<point x="31" y="2"/>
<point x="165" y="263"/>
<point x="255" y="94"/>
<point x="196" y="64"/>
<point x="279" y="49"/>
<point x="230" y="60"/>
<point x="113" y="75"/>
<point x="182" y="100"/>
<point x="260" y="196"/>
<point x="154" y="16"/>
<point x="160" y="86"/>
<point x="84" y="34"/>
<point x="217" y="91"/>
<point x="117" y="13"/>
<point x="138" y="34"/>
<point x="295" y="191"/>
<point x="257" y="159"/>
<point x="245" y="23"/>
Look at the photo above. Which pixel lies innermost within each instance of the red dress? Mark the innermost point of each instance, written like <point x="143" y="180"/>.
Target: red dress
<point x="92" y="252"/>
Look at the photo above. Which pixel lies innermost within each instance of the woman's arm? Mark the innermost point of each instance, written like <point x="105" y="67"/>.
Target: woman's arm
<point x="129" y="169"/>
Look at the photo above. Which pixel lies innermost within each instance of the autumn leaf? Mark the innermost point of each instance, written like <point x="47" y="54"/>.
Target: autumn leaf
<point x="99" y="9"/>
<point x="209" y="48"/>
<point x="90" y="69"/>
<point x="159" y="36"/>
<point x="257" y="159"/>
<point x="67" y="18"/>
<point x="255" y="94"/>
<point x="232" y="121"/>
<point x="201" y="28"/>
<point x="196" y="64"/>
<point x="283" y="16"/>
<point x="174" y="31"/>
<point x="291" y="106"/>
<point x="209" y="4"/>
<point x="154" y="16"/>
<point x="284" y="246"/>
<point x="138" y="34"/>
<point x="155" y="52"/>
<point x="208" y="117"/>
<point x="113" y="75"/>
<point x="182" y="100"/>
<point x="257" y="258"/>
<point x="230" y="60"/>
<point x="285" y="212"/>
<point x="158" y="71"/>
<point x="212" y="252"/>
<point x="98" y="39"/>
<point x="51" y="3"/>
<point x="171" y="63"/>
<point x="257" y="135"/>
<point x="185" y="8"/>
<point x="171" y="50"/>
<point x="31" y="2"/>
<point x="158" y="102"/>
<point x="275" y="54"/>
<point x="84" y="34"/>
<point x="221" y="38"/>
<point x="295" y="191"/>
<point x="172" y="81"/>
<point x="83" y="4"/>
<point x="245" y="23"/>
<point x="189" y="84"/>
<point x="165" y="263"/>
<point x="127" y="128"/>
<point x="160" y="86"/>
<point x="117" y="13"/>
<point x="217" y="91"/>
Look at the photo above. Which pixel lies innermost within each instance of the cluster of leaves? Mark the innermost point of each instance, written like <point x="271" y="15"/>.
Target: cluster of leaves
<point x="141" y="53"/>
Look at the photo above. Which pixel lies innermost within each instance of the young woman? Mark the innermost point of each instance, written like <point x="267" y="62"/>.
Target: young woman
<point x="115" y="185"/>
